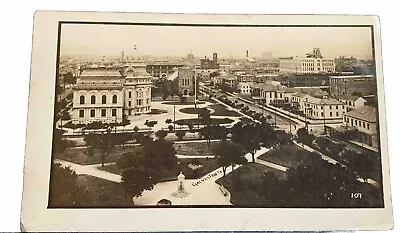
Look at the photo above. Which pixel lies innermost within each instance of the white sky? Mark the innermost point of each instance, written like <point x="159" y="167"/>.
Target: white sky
<point x="110" y="40"/>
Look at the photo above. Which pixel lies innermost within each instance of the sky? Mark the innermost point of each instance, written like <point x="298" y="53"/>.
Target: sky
<point x="111" y="40"/>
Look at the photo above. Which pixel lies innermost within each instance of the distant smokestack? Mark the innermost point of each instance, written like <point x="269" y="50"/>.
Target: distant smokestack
<point x="247" y="53"/>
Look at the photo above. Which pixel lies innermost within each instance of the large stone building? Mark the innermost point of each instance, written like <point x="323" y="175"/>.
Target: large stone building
<point x="108" y="94"/>
<point x="184" y="83"/>
<point x="206" y="64"/>
<point x="313" y="63"/>
<point x="361" y="85"/>
<point x="161" y="68"/>
<point x="98" y="96"/>
<point x="137" y="90"/>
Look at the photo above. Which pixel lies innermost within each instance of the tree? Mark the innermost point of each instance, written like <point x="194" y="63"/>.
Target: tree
<point x="137" y="179"/>
<point x="229" y="154"/>
<point x="168" y="121"/>
<point x="180" y="134"/>
<point x="269" y="117"/>
<point x="136" y="129"/>
<point x="205" y="117"/>
<point x="103" y="142"/>
<point x="249" y="136"/>
<point x="161" y="134"/>
<point x="150" y="124"/>
<point x="304" y="137"/>
<point x="283" y="138"/>
<point x="64" y="190"/>
<point x="170" y="128"/>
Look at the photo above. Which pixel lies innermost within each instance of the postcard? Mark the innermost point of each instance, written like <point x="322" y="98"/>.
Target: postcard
<point x="195" y="122"/>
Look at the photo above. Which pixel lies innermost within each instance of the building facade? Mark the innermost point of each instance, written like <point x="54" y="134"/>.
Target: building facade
<point x="363" y="119"/>
<point x="109" y="95"/>
<point x="161" y="68"/>
<point x="352" y="102"/>
<point x="98" y="96"/>
<point x="361" y="85"/>
<point x="306" y="65"/>
<point x="244" y="88"/>
<point x="137" y="90"/>
<point x="184" y="83"/>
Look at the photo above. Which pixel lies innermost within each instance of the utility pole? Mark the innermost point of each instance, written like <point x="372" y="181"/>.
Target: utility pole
<point x="174" y="116"/>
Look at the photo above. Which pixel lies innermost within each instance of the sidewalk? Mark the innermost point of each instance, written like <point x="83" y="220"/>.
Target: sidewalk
<point x="324" y="157"/>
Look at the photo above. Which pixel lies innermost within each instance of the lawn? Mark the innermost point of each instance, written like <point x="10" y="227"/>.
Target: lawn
<point x="198" y="121"/>
<point x="289" y="155"/>
<point x="103" y="193"/>
<point x="248" y="180"/>
<point x="220" y="110"/>
<point x="79" y="155"/>
<point x="195" y="148"/>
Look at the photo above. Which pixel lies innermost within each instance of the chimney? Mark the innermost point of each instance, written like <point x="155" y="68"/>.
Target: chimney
<point x="247" y="53"/>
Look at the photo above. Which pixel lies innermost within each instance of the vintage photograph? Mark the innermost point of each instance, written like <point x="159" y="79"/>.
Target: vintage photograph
<point x="158" y="115"/>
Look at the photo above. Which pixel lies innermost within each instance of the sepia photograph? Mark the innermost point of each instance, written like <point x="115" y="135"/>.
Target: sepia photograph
<point x="166" y="115"/>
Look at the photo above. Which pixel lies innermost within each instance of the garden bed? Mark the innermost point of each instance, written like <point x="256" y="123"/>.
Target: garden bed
<point x="195" y="148"/>
<point x="155" y="111"/>
<point x="220" y="110"/>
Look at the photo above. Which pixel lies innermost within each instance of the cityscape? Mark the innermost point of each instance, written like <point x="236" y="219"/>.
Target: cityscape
<point x="162" y="116"/>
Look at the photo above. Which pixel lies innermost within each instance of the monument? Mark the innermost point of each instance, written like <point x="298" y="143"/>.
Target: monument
<point x="181" y="192"/>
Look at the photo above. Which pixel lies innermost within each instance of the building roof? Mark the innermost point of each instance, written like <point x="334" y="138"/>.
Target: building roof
<point x="245" y="83"/>
<point x="268" y="87"/>
<point x="351" y="98"/>
<point x="100" y="73"/>
<point x="365" y="113"/>
<point x="299" y="94"/>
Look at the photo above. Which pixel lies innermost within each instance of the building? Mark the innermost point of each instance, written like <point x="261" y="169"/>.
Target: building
<point x="98" y="96"/>
<point x="206" y="64"/>
<point x="360" y="85"/>
<point x="353" y="102"/>
<point x="363" y="119"/>
<point x="308" y="80"/>
<point x="244" y="88"/>
<point x="245" y="77"/>
<point x="306" y="65"/>
<point x="325" y="108"/>
<point x="137" y="90"/>
<point x="313" y="63"/>
<point x="161" y="68"/>
<point x="184" y="83"/>
<point x="230" y="81"/>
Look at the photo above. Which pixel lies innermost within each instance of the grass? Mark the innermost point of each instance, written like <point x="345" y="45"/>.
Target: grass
<point x="190" y="110"/>
<point x="220" y="110"/>
<point x="289" y="155"/>
<point x="245" y="189"/>
<point x="79" y="155"/>
<point x="195" y="148"/>
<point x="198" y="121"/>
<point x="104" y="193"/>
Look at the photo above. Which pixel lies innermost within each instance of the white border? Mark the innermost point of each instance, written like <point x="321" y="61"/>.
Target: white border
<point x="35" y="215"/>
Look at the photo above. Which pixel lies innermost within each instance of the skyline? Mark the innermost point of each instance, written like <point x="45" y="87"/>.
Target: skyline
<point x="174" y="41"/>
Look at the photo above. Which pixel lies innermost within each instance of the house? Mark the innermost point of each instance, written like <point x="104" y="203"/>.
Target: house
<point x="244" y="88"/>
<point x="353" y="102"/>
<point x="363" y="119"/>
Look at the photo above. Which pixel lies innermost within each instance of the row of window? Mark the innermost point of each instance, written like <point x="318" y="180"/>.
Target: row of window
<point x="186" y="82"/>
<point x="93" y="113"/>
<point x="355" y="122"/>
<point x="93" y="99"/>
<point x="322" y="114"/>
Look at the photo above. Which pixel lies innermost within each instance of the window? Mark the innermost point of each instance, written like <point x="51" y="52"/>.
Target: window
<point x="129" y="103"/>
<point x="342" y="106"/>
<point x="337" y="107"/>
<point x="81" y="113"/>
<point x="130" y="94"/>
<point x="337" y="113"/>
<point x="351" y="122"/>
<point x="103" y="113"/>
<point x="92" y="113"/>
<point x="330" y="113"/>
<point x="114" y="99"/>
<point x="147" y="101"/>
<point x="330" y="107"/>
<point x="104" y="99"/>
<point x="359" y="123"/>
<point x="93" y="99"/>
<point x="367" y="125"/>
<point x="82" y="99"/>
<point x="114" y="112"/>
<point x="364" y="125"/>
<point x="322" y="114"/>
<point x="322" y="107"/>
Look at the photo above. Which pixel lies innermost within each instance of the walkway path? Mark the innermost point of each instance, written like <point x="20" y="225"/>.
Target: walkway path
<point x="324" y="157"/>
<point x="90" y="170"/>
<point x="272" y="165"/>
